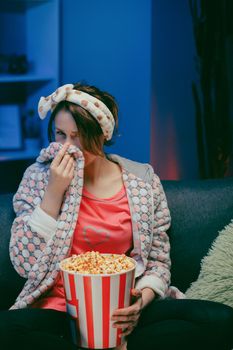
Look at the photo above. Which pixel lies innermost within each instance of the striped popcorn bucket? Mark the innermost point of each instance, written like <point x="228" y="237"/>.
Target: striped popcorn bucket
<point x="90" y="302"/>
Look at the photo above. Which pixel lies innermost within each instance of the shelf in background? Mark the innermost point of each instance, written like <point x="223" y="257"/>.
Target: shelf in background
<point x="29" y="28"/>
<point x="18" y="78"/>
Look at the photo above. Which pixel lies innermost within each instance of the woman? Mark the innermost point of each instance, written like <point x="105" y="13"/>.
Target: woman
<point x="61" y="208"/>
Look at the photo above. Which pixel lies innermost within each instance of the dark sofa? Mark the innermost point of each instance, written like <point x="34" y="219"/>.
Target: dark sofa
<point x="199" y="209"/>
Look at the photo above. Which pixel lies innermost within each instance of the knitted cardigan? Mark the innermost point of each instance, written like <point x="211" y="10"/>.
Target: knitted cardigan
<point x="36" y="254"/>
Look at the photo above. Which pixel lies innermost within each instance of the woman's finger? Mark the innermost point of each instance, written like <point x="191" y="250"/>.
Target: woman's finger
<point x="132" y="317"/>
<point x="136" y="292"/>
<point x="130" y="310"/>
<point x="62" y="166"/>
<point x="123" y="324"/>
<point x="69" y="166"/>
<point x="127" y="332"/>
<point x="135" y="295"/>
<point x="57" y="160"/>
<point x="71" y="172"/>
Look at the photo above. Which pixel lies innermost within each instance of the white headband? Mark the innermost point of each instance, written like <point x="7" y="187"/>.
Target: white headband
<point x="96" y="107"/>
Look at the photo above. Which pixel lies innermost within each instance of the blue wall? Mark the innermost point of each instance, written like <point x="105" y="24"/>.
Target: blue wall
<point x="141" y="51"/>
<point x="173" y="151"/>
<point x="107" y="43"/>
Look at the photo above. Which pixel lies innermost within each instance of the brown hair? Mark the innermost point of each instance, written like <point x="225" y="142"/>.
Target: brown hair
<point x="90" y="132"/>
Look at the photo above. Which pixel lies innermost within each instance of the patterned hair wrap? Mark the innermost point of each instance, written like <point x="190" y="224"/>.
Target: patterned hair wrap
<point x="93" y="105"/>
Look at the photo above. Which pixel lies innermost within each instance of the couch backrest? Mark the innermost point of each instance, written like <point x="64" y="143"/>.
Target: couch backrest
<point x="199" y="209"/>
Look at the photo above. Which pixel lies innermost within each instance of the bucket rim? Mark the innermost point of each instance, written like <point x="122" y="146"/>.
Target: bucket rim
<point x="99" y="274"/>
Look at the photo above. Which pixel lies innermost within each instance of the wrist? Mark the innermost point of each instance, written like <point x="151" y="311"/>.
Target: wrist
<point x="51" y="202"/>
<point x="55" y="192"/>
<point x="148" y="295"/>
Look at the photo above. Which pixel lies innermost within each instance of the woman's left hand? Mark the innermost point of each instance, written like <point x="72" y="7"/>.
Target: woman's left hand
<point x="128" y="317"/>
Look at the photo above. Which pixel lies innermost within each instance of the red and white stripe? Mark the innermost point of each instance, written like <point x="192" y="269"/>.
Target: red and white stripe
<point x="91" y="301"/>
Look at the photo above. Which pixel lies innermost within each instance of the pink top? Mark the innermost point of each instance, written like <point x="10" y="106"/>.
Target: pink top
<point x="103" y="225"/>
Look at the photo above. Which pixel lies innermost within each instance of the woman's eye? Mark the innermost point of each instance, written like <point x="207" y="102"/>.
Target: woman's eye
<point x="60" y="133"/>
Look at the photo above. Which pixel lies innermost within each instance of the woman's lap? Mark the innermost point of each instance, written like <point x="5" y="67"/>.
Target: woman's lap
<point x="183" y="324"/>
<point x="34" y="329"/>
<point x="187" y="309"/>
<point x="164" y="324"/>
<point x="32" y="319"/>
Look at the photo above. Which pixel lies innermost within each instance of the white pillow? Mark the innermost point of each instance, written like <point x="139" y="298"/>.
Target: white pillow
<point x="215" y="281"/>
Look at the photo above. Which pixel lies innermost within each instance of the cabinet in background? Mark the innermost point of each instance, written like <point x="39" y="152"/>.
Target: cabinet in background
<point x="29" y="29"/>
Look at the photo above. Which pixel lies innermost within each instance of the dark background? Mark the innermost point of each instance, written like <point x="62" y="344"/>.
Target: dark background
<point x="150" y="54"/>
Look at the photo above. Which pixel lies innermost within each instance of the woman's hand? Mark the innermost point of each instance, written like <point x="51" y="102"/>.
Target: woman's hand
<point x="128" y="317"/>
<point x="61" y="171"/>
<point x="61" y="175"/>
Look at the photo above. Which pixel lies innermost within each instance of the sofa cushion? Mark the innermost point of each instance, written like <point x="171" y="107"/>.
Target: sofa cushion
<point x="10" y="282"/>
<point x="199" y="210"/>
<point x="215" y="281"/>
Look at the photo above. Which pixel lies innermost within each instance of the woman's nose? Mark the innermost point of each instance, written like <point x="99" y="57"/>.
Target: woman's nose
<point x="70" y="140"/>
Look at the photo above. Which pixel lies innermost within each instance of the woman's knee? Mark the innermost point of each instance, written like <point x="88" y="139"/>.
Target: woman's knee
<point x="219" y="314"/>
<point x="7" y="321"/>
<point x="199" y="321"/>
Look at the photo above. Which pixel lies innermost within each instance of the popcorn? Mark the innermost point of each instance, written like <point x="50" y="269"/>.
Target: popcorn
<point x="97" y="263"/>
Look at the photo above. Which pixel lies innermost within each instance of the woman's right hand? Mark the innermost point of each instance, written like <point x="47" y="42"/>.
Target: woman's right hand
<point x="61" y="175"/>
<point x="61" y="171"/>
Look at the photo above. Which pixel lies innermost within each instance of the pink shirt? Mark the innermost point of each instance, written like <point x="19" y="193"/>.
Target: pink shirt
<point x="103" y="225"/>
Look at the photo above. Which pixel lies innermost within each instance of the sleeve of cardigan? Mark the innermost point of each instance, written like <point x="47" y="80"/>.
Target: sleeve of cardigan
<point x="32" y="227"/>
<point x="42" y="223"/>
<point x="157" y="272"/>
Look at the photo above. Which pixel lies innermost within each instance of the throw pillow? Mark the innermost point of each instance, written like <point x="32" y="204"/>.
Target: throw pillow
<point x="215" y="281"/>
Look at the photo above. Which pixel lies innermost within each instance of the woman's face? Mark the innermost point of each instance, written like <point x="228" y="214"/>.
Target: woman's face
<point x="66" y="129"/>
